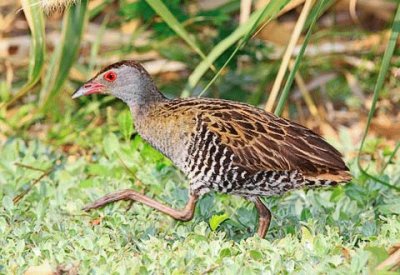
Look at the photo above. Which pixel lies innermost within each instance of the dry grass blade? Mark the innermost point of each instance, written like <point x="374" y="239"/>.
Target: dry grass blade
<point x="65" y="54"/>
<point x="23" y="193"/>
<point x="353" y="12"/>
<point x="243" y="31"/>
<point x="34" y="17"/>
<point x="29" y="167"/>
<point x="314" y="14"/>
<point x="245" y="9"/>
<point x="288" y="53"/>
<point x="288" y="7"/>
<point x="305" y="93"/>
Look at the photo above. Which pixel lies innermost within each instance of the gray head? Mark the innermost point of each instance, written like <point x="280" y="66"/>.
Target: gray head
<point x="126" y="80"/>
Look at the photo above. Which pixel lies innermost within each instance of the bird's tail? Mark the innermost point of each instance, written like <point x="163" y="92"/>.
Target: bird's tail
<point x="278" y="182"/>
<point x="327" y="179"/>
<point x="324" y="180"/>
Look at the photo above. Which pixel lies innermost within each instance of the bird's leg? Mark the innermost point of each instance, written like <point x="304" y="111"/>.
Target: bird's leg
<point x="264" y="217"/>
<point x="185" y="214"/>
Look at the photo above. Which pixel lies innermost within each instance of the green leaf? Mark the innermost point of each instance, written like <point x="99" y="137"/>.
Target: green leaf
<point x="65" y="53"/>
<point x="34" y="17"/>
<point x="87" y="183"/>
<point x="98" y="170"/>
<point x="163" y="11"/>
<point x="256" y="255"/>
<point x="205" y="205"/>
<point x="110" y="144"/>
<point x="379" y="255"/>
<point x="244" y="30"/>
<point x="390" y="209"/>
<point x="125" y="124"/>
<point x="307" y="238"/>
<point x="216" y="220"/>
<point x="226" y="252"/>
<point x="8" y="203"/>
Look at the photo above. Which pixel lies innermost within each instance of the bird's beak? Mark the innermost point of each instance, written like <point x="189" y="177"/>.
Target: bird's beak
<point x="88" y="89"/>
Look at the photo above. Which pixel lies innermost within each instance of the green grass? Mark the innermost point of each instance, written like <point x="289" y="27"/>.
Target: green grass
<point x="338" y="230"/>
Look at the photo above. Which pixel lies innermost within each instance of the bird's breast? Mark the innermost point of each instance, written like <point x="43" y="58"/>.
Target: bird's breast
<point x="169" y="134"/>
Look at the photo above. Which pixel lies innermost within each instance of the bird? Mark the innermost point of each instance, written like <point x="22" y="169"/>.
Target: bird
<point x="220" y="145"/>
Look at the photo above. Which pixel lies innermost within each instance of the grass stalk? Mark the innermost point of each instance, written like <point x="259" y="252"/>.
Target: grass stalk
<point x="162" y="10"/>
<point x="304" y="92"/>
<point x="35" y="19"/>
<point x="65" y="54"/>
<point x="387" y="56"/>
<point x="243" y="31"/>
<point x="288" y="53"/>
<point x="315" y="13"/>
<point x="392" y="155"/>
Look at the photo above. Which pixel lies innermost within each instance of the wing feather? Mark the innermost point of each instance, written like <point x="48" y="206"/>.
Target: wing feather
<point x="261" y="141"/>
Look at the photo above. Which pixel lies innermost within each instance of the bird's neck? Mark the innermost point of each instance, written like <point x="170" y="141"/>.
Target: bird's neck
<point x="162" y="129"/>
<point x="144" y="102"/>
<point x="142" y="107"/>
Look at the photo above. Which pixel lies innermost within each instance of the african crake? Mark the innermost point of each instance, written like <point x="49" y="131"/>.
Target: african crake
<point x="219" y="145"/>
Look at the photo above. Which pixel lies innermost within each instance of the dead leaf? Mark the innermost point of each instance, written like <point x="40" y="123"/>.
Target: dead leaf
<point x="68" y="269"/>
<point x="43" y="269"/>
<point x="97" y="221"/>
<point x="346" y="253"/>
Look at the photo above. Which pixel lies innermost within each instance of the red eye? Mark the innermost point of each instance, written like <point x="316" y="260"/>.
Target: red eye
<point x="110" y="76"/>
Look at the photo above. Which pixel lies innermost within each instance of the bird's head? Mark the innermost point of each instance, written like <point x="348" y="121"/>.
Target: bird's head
<point x="126" y="80"/>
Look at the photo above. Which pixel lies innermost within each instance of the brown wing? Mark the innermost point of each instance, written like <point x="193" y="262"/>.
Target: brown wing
<point x="261" y="141"/>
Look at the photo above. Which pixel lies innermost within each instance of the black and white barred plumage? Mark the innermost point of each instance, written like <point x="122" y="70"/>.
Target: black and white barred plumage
<point x="235" y="148"/>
